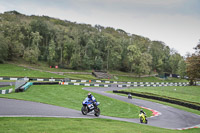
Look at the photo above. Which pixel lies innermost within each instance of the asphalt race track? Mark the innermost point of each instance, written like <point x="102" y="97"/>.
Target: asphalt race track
<point x="169" y="117"/>
<point x="3" y="84"/>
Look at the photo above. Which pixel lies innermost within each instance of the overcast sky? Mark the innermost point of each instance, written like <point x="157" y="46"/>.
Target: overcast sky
<point x="175" y="22"/>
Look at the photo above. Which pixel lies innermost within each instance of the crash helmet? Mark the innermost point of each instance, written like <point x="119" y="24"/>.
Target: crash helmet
<point x="141" y="111"/>
<point x="89" y="95"/>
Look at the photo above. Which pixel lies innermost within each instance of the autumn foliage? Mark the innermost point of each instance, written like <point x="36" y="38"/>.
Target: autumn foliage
<point x="193" y="66"/>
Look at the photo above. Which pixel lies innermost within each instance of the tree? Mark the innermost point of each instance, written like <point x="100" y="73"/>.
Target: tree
<point x="142" y="64"/>
<point x="158" y="58"/>
<point x="133" y="56"/>
<point x="145" y="64"/>
<point x="32" y="53"/>
<point x="89" y="58"/>
<point x="36" y="38"/>
<point x="12" y="32"/>
<point x="52" y="53"/>
<point x="166" y="66"/>
<point x="38" y="25"/>
<point x="109" y="43"/>
<point x="115" y="57"/>
<point x="75" y="61"/>
<point x="124" y="64"/>
<point x="181" y="68"/>
<point x="193" y="65"/>
<point x="173" y="61"/>
<point x="81" y="46"/>
<point x="3" y="49"/>
<point x="142" y="43"/>
<point x="98" y="64"/>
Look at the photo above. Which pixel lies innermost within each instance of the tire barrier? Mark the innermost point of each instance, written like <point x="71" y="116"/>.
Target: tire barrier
<point x="134" y="83"/>
<point x="28" y="84"/>
<point x="150" y="85"/>
<point x="125" y="84"/>
<point x="24" y="87"/>
<point x="6" y="91"/>
<point x="188" y="104"/>
<point x="157" y="83"/>
<point x="96" y="85"/>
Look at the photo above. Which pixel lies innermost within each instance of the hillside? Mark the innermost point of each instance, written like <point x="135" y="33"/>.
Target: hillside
<point x="82" y="46"/>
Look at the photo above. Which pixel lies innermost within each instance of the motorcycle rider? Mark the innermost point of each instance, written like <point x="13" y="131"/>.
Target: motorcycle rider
<point x="142" y="112"/>
<point x="90" y="105"/>
<point x="142" y="117"/>
<point x="91" y="98"/>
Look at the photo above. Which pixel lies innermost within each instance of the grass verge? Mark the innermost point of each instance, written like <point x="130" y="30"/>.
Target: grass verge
<point x="146" y="79"/>
<point x="188" y="93"/>
<point x="164" y="103"/>
<point x="80" y="76"/>
<point x="11" y="70"/>
<point x="63" y="125"/>
<point x="72" y="96"/>
<point x="42" y="65"/>
<point x="7" y="87"/>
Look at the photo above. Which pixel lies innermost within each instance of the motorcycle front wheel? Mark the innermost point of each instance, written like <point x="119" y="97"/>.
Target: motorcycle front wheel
<point x="97" y="112"/>
<point x="141" y="120"/>
<point x="84" y="110"/>
<point x="146" y="121"/>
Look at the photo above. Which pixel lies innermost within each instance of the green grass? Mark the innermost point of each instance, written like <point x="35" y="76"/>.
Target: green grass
<point x="7" y="87"/>
<point x="72" y="96"/>
<point x="11" y="70"/>
<point x="188" y="93"/>
<point x="146" y="79"/>
<point x="80" y="76"/>
<point x="42" y="65"/>
<point x="69" y="125"/>
<point x="165" y="103"/>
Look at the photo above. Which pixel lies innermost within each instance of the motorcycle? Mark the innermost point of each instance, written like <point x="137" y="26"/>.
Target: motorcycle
<point x="143" y="119"/>
<point x="89" y="106"/>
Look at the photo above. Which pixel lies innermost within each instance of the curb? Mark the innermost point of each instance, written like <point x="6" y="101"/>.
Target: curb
<point x="6" y="91"/>
<point x="154" y="112"/>
<point x="197" y="126"/>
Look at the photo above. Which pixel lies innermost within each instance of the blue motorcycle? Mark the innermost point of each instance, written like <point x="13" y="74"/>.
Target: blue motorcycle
<point x="89" y="106"/>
